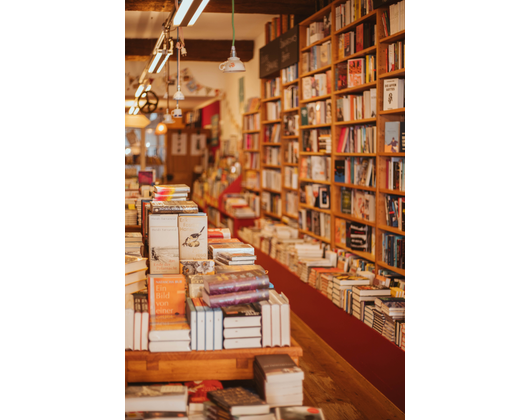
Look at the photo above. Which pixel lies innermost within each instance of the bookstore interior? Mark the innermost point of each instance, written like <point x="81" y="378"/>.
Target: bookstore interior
<point x="265" y="209"/>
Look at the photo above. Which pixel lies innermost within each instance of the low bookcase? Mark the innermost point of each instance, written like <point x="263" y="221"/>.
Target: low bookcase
<point x="221" y="365"/>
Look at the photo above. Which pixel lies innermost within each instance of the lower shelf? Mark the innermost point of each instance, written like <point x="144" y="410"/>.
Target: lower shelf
<point x="221" y="365"/>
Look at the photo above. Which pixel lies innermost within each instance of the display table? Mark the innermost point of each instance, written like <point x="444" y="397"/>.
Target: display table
<point x="221" y="365"/>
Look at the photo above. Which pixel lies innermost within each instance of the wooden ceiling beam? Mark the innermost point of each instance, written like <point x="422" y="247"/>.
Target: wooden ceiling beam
<point x="198" y="50"/>
<point x="269" y="7"/>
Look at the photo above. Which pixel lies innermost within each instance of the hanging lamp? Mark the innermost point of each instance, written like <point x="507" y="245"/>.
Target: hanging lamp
<point x="233" y="64"/>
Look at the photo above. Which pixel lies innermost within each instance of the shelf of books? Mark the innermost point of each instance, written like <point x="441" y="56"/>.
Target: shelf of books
<point x="351" y="132"/>
<point x="315" y="162"/>
<point x="250" y="153"/>
<point x="271" y="147"/>
<point x="290" y="134"/>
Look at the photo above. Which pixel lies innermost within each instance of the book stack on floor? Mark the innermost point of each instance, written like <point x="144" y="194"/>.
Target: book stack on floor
<point x="342" y="288"/>
<point x="197" y="396"/>
<point x="156" y="402"/>
<point x="363" y="294"/>
<point x="236" y="403"/>
<point x="394" y="310"/>
<point x="242" y="326"/>
<point x="315" y="277"/>
<point x="279" y="380"/>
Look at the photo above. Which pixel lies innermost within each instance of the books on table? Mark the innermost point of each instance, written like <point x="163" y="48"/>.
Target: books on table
<point x="237" y="401"/>
<point x="242" y="326"/>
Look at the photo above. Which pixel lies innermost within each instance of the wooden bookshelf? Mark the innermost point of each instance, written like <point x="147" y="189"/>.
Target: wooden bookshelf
<point x="268" y="98"/>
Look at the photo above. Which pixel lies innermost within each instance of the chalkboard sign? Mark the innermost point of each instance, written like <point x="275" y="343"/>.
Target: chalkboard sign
<point x="280" y="53"/>
<point x="269" y="58"/>
<point x="289" y="47"/>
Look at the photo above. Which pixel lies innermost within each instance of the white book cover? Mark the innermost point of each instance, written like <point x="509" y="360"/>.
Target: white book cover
<point x="193" y="234"/>
<point x="275" y="322"/>
<point x="306" y="87"/>
<point x="393" y="94"/>
<point x="242" y="332"/>
<point x="145" y="326"/>
<point x="217" y="329"/>
<point x="209" y="327"/>
<point x="163" y="244"/>
<point x="285" y="317"/>
<point x="201" y="328"/>
<point x="191" y="313"/>
<point x="242" y="343"/>
<point x="159" y="346"/>
<point x="266" y="334"/>
<point x="137" y="331"/>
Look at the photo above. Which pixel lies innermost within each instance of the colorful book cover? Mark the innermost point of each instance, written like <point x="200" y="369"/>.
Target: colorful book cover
<point x="339" y="170"/>
<point x="167" y="294"/>
<point x="356" y="72"/>
<point x="345" y="201"/>
<point x="193" y="236"/>
<point x="341" y="74"/>
<point x="170" y="189"/>
<point x="392" y="129"/>
<point x="192" y="267"/>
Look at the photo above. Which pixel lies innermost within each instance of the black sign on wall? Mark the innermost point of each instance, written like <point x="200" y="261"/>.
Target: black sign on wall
<point x="280" y="53"/>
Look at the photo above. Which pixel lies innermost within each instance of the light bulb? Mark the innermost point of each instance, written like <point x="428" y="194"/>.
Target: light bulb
<point x="178" y="96"/>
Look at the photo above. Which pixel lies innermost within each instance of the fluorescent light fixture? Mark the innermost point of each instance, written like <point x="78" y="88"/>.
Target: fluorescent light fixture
<point x="198" y="12"/>
<point x="136" y="111"/>
<point x="162" y="64"/>
<point x="148" y="88"/>
<point x="181" y="12"/>
<point x="155" y="61"/>
<point x="189" y="11"/>
<point x="131" y="110"/>
<point x="139" y="90"/>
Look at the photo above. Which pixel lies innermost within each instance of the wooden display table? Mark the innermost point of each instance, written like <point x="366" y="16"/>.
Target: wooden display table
<point x="221" y="365"/>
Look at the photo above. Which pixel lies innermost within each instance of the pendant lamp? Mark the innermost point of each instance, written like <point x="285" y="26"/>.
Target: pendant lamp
<point x="233" y="64"/>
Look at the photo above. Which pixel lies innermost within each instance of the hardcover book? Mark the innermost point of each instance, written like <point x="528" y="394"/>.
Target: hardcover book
<point x="228" y="299"/>
<point x="163" y="244"/>
<point x="341" y="73"/>
<point x="345" y="201"/>
<point x="219" y="284"/>
<point x="156" y="398"/>
<point x="278" y="368"/>
<point x="169" y="328"/>
<point x="167" y="294"/>
<point x="223" y="233"/>
<point x="193" y="237"/>
<point x="241" y="316"/>
<point x="356" y="71"/>
<point x="170" y="189"/>
<point x="340" y="170"/>
<point x="230" y="247"/>
<point x="238" y="401"/>
<point x="392" y="136"/>
<point x="167" y="207"/>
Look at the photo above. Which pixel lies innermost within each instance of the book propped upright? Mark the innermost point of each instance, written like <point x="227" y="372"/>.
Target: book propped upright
<point x="193" y="236"/>
<point x="285" y="317"/>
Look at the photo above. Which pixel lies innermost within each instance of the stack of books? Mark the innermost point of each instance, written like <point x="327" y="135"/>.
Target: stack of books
<point x="279" y="380"/>
<point x="341" y="283"/>
<point x="368" y="293"/>
<point x="176" y="192"/>
<point x="133" y="243"/>
<point x="169" y="329"/>
<point x="156" y="401"/>
<point x="206" y="325"/>
<point x="235" y="288"/>
<point x="197" y="391"/>
<point x="135" y="269"/>
<point x="242" y="326"/>
<point x="235" y="258"/>
<point x="237" y="403"/>
<point x="136" y="321"/>
<point x="228" y="247"/>
<point x="131" y="217"/>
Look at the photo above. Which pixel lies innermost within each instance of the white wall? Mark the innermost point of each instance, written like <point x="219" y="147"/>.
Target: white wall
<point x="230" y="106"/>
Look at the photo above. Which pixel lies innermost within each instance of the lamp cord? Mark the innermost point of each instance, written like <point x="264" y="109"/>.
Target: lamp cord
<point x="233" y="29"/>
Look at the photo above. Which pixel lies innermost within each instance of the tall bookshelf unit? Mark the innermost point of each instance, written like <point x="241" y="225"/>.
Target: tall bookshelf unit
<point x="251" y="161"/>
<point x="378" y="190"/>
<point x="290" y="134"/>
<point x="378" y="359"/>
<point x="271" y="147"/>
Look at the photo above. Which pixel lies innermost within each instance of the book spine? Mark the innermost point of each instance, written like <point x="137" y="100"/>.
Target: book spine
<point x="238" y="298"/>
<point x="174" y="209"/>
<point x="223" y="287"/>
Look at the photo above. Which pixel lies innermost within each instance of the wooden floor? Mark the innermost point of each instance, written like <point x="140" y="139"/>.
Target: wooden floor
<point x="334" y="385"/>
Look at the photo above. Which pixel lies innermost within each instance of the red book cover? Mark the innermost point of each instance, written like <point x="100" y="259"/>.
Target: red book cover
<point x="359" y="38"/>
<point x="197" y="390"/>
<point x="238" y="298"/>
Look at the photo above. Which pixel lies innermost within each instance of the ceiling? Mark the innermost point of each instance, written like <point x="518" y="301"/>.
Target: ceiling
<point x="144" y="21"/>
